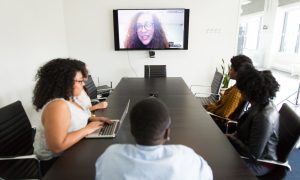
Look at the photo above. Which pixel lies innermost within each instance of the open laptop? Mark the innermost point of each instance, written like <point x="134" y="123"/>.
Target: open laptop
<point x="110" y="130"/>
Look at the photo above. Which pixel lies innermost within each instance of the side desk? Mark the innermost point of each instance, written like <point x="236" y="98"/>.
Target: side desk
<point x="191" y="126"/>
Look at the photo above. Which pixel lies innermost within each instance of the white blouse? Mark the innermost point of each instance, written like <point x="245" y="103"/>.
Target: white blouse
<point x="83" y="100"/>
<point x="79" y="119"/>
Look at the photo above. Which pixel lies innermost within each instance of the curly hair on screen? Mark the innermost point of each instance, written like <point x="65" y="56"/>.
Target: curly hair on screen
<point x="55" y="79"/>
<point x="159" y="39"/>
<point x="258" y="86"/>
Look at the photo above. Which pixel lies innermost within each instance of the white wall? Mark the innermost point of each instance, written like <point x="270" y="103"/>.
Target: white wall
<point x="31" y="32"/>
<point x="34" y="31"/>
<point x="212" y="36"/>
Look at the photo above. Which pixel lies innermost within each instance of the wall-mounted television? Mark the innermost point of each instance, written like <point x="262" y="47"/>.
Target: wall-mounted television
<point x="151" y="29"/>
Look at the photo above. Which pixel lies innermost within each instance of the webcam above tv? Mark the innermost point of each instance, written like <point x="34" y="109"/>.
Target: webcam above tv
<point x="151" y="29"/>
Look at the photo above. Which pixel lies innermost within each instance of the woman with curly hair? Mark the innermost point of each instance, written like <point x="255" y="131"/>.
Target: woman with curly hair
<point x="257" y="133"/>
<point x="145" y="31"/>
<point x="232" y="99"/>
<point x="63" y="121"/>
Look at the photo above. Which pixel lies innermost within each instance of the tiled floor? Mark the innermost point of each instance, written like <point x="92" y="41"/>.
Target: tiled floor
<point x="294" y="161"/>
<point x="287" y="92"/>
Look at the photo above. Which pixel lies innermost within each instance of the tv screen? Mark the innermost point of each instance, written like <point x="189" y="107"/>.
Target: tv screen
<point x="151" y="29"/>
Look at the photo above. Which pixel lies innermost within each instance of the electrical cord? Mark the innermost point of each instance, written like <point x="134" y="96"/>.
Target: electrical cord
<point x="131" y="64"/>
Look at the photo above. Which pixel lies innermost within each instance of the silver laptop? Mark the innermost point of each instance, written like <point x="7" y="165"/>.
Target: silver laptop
<point x="110" y="130"/>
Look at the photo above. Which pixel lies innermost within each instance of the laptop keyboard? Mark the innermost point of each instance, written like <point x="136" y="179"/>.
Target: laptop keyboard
<point x="108" y="129"/>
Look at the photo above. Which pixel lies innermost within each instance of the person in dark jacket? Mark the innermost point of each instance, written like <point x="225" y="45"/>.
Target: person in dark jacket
<point x="257" y="133"/>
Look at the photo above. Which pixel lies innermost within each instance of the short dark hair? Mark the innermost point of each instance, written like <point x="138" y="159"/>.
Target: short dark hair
<point x="239" y="60"/>
<point x="258" y="86"/>
<point x="149" y="120"/>
<point x="55" y="79"/>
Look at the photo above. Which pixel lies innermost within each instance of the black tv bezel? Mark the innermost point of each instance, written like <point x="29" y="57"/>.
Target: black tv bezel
<point x="185" y="32"/>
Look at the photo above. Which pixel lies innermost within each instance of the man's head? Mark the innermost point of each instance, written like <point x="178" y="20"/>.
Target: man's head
<point x="150" y="122"/>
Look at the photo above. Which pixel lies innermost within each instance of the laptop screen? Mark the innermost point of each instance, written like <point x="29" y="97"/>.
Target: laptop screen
<point x="124" y="114"/>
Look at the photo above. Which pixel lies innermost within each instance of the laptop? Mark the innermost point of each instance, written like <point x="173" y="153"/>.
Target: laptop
<point x="110" y="130"/>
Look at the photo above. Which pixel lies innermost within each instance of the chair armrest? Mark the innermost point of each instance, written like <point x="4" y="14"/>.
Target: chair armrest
<point x="285" y="164"/>
<point x="298" y="143"/>
<point x="100" y="99"/>
<point x="198" y="85"/>
<point x="220" y="117"/>
<point x="105" y="90"/>
<point x="226" y="121"/>
<point x="33" y="156"/>
<point x="94" y="101"/>
<point x="20" y="167"/>
<point x="205" y="93"/>
<point x="232" y="122"/>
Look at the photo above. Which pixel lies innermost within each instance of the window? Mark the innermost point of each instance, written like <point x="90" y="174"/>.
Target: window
<point x="290" y="36"/>
<point x="249" y="33"/>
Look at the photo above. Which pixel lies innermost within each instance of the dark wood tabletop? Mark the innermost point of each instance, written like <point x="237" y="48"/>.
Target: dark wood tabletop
<point x="191" y="126"/>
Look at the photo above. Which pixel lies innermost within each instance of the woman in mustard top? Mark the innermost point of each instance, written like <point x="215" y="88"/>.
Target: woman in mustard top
<point x="232" y="98"/>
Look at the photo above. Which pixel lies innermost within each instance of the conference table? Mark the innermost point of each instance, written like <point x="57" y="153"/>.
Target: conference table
<point x="191" y="126"/>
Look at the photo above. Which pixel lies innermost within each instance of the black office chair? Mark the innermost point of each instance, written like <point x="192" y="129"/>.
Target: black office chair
<point x="155" y="71"/>
<point x="16" y="144"/>
<point x="215" y="87"/>
<point x="96" y="94"/>
<point x="289" y="132"/>
<point x="229" y="125"/>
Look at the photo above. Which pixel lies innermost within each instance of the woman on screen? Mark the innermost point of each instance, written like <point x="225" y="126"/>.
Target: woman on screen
<point x="145" y="31"/>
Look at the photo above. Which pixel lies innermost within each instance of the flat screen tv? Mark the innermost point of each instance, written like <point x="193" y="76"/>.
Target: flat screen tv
<point x="151" y="29"/>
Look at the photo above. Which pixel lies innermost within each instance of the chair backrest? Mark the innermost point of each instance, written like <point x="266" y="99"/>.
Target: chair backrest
<point x="216" y="84"/>
<point x="155" y="71"/>
<point x="15" y="131"/>
<point x="16" y="139"/>
<point x="91" y="88"/>
<point x="289" y="132"/>
<point x="239" y="111"/>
